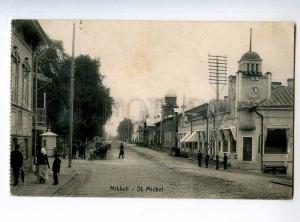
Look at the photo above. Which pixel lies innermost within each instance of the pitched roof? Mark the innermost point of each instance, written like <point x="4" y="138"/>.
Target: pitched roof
<point x="281" y="97"/>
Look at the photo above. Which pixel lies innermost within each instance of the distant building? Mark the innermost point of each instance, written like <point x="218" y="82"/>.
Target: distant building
<point x="26" y="36"/>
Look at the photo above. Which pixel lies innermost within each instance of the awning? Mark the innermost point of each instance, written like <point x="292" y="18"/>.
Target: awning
<point x="229" y="131"/>
<point x="193" y="137"/>
<point x="185" y="137"/>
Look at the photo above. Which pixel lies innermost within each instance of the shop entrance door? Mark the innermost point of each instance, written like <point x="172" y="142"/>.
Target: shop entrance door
<point x="247" y="148"/>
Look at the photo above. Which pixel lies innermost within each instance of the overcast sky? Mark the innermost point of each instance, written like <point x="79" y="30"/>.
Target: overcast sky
<point x="147" y="59"/>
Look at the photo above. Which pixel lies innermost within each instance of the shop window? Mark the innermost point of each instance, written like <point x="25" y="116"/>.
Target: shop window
<point x="195" y="145"/>
<point x="276" y="141"/>
<point x="225" y="146"/>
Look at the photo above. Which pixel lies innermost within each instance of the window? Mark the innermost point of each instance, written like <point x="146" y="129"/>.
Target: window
<point x="252" y="67"/>
<point x="276" y="141"/>
<point x="232" y="145"/>
<point x="20" y="121"/>
<point x="14" y="82"/>
<point x="44" y="143"/>
<point x="225" y="146"/>
<point x="26" y="91"/>
<point x="26" y="148"/>
<point x="256" y="67"/>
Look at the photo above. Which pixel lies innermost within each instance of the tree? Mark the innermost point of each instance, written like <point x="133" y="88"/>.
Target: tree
<point x="92" y="100"/>
<point x="125" y="129"/>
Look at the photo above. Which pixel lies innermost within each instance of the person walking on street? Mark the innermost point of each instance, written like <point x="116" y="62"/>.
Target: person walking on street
<point x="43" y="163"/>
<point x="74" y="150"/>
<point x="225" y="158"/>
<point x="56" y="169"/>
<point x="82" y="151"/>
<point x="206" y="160"/>
<point x="199" y="157"/>
<point x="121" y="153"/>
<point x="16" y="162"/>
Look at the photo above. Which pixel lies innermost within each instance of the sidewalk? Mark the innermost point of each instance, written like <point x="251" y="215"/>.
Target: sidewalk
<point x="32" y="187"/>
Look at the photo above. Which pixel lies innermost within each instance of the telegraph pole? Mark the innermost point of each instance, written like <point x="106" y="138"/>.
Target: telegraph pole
<point x="218" y="77"/>
<point x="72" y="97"/>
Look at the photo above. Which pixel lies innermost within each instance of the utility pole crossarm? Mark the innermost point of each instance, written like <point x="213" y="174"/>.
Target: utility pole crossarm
<point x="217" y="76"/>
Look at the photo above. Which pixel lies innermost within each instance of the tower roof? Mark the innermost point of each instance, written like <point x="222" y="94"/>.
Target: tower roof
<point x="250" y="55"/>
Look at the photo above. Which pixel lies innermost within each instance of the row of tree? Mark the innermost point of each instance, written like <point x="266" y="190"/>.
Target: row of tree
<point x="92" y="100"/>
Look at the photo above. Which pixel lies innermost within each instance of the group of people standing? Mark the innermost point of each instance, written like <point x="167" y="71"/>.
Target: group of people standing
<point x="81" y="150"/>
<point x="42" y="166"/>
<point x="206" y="160"/>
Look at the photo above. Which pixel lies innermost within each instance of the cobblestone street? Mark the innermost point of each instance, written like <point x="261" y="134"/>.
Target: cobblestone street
<point x="150" y="173"/>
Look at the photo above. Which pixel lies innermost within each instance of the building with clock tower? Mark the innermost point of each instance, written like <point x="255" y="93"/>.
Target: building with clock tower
<point x="261" y="111"/>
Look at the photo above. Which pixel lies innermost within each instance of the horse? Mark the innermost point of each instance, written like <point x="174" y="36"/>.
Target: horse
<point x="104" y="149"/>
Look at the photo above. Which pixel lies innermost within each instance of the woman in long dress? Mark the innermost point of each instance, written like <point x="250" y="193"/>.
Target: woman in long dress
<point x="43" y="166"/>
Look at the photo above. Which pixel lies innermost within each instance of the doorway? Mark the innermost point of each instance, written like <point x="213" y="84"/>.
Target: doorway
<point x="247" y="148"/>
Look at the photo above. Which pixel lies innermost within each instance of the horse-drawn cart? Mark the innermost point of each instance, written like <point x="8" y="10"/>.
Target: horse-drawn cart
<point x="100" y="150"/>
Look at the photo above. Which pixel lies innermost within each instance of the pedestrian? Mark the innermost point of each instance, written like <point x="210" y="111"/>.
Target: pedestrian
<point x="16" y="162"/>
<point x="56" y="169"/>
<point x="43" y="166"/>
<point x="199" y="157"/>
<point x="64" y="150"/>
<point x="225" y="158"/>
<point x="121" y="153"/>
<point x="82" y="151"/>
<point x="217" y="161"/>
<point x="206" y="160"/>
<point x="74" y="150"/>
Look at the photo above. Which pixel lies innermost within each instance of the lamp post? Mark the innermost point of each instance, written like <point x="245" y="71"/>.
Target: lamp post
<point x="72" y="98"/>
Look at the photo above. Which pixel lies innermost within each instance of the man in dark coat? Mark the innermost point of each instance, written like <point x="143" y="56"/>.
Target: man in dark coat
<point x="56" y="169"/>
<point x="199" y="157"/>
<point x="74" y="150"/>
<point x="16" y="162"/>
<point x="225" y="158"/>
<point x="206" y="160"/>
<point x="121" y="153"/>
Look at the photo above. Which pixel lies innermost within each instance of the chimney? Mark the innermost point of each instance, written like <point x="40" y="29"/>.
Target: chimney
<point x="275" y="85"/>
<point x="290" y="83"/>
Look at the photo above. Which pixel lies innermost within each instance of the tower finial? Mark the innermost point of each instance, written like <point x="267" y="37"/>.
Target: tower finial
<point x="250" y="46"/>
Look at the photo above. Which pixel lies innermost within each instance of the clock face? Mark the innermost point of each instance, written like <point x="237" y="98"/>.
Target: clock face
<point x="254" y="92"/>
